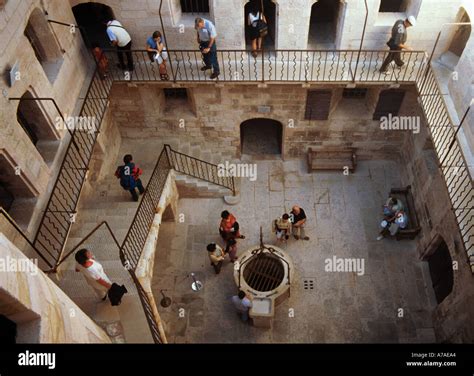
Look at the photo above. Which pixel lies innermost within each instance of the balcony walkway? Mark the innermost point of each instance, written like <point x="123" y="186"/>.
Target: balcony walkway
<point x="275" y="66"/>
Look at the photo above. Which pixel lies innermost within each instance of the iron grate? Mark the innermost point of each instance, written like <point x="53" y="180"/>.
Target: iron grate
<point x="309" y="283"/>
<point x="264" y="272"/>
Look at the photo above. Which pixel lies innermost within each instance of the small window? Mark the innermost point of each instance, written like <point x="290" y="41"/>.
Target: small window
<point x="393" y="6"/>
<point x="176" y="93"/>
<point x="195" y="6"/>
<point x="389" y="102"/>
<point x="318" y="103"/>
<point x="178" y="100"/>
<point x="354" y="93"/>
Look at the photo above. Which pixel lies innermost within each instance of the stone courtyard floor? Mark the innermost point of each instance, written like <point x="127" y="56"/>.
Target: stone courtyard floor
<point x="343" y="216"/>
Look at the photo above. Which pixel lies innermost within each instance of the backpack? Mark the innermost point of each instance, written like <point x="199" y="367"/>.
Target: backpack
<point x="127" y="181"/>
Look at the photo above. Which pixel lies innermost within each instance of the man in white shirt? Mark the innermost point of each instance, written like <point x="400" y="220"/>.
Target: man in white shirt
<point x="93" y="272"/>
<point x="206" y="37"/>
<point x="242" y="304"/>
<point x="120" y="38"/>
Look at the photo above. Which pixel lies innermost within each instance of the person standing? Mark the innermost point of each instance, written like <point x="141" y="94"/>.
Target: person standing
<point x="231" y="249"/>
<point x="129" y="176"/>
<point x="216" y="255"/>
<point x="242" y="304"/>
<point x="229" y="227"/>
<point x="298" y="220"/>
<point x="397" y="43"/>
<point x="253" y="20"/>
<point x="157" y="52"/>
<point x="93" y="272"/>
<point x="206" y="38"/>
<point x="120" y="38"/>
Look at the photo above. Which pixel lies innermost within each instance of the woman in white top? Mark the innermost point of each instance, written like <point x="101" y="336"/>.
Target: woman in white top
<point x="253" y="18"/>
<point x="93" y="272"/>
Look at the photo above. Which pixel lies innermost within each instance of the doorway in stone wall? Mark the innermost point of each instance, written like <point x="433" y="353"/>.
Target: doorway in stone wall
<point x="270" y="12"/>
<point x="261" y="137"/>
<point x="326" y="16"/>
<point x="441" y="271"/>
<point x="91" y="18"/>
<point x="459" y="39"/>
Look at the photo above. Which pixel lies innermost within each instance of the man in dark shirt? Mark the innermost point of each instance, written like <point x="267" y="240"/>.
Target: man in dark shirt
<point x="397" y="43"/>
<point x="298" y="218"/>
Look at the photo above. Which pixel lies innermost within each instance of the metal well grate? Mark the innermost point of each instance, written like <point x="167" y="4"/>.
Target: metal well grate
<point x="264" y="272"/>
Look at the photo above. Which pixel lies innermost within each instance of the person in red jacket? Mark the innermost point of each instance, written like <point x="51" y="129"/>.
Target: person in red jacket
<point x="129" y="176"/>
<point x="229" y="227"/>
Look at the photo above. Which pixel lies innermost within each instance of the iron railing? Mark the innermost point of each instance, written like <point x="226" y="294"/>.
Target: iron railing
<point x="274" y="66"/>
<point x="132" y="246"/>
<point x="60" y="210"/>
<point x="102" y="242"/>
<point x="200" y="169"/>
<point x="452" y="162"/>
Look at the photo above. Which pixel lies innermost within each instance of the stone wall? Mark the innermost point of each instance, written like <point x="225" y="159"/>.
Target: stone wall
<point x="214" y="114"/>
<point x="141" y="18"/>
<point x="453" y="317"/>
<point x="42" y="311"/>
<point x="65" y="88"/>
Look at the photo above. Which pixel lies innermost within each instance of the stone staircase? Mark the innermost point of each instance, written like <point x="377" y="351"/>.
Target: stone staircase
<point x="106" y="200"/>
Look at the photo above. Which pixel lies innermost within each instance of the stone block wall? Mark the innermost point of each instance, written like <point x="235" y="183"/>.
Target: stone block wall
<point x="65" y="88"/>
<point x="29" y="297"/>
<point x="214" y="115"/>
<point x="453" y="317"/>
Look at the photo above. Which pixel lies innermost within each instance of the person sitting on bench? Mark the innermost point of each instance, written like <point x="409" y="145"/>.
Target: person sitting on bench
<point x="390" y="226"/>
<point x="392" y="206"/>
<point x="282" y="227"/>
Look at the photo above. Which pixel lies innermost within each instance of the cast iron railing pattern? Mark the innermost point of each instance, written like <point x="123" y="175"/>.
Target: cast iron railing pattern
<point x="274" y="66"/>
<point x="452" y="161"/>
<point x="102" y="242"/>
<point x="60" y="210"/>
<point x="200" y="169"/>
<point x="169" y="159"/>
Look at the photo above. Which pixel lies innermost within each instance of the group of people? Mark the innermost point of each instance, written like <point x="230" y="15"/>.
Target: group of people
<point x="291" y="224"/>
<point x="121" y="39"/>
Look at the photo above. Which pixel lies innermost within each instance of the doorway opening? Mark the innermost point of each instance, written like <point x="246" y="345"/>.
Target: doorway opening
<point x="459" y="39"/>
<point x="38" y="127"/>
<point x="262" y="137"/>
<point x="18" y="196"/>
<point x="323" y="25"/>
<point x="441" y="271"/>
<point x="269" y="11"/>
<point x="91" y="17"/>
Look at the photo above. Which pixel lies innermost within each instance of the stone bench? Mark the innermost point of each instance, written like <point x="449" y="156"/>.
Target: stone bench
<point x="413" y="228"/>
<point x="332" y="159"/>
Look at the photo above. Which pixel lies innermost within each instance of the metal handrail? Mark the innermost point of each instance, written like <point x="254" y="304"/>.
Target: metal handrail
<point x="170" y="152"/>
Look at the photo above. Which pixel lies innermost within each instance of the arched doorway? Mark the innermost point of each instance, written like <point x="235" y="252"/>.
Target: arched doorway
<point x="441" y="271"/>
<point x="262" y="137"/>
<point x="324" y="24"/>
<point x="459" y="39"/>
<point x="269" y="10"/>
<point x="91" y="18"/>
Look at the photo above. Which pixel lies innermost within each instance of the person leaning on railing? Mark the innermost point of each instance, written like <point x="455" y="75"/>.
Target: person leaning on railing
<point x="206" y="37"/>
<point x="157" y="52"/>
<point x="120" y="38"/>
<point x="397" y="43"/>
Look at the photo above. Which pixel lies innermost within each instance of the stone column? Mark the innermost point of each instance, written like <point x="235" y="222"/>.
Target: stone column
<point x="292" y="19"/>
<point x="229" y="22"/>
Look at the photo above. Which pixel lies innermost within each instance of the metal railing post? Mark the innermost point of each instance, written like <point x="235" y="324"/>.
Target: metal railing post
<point x="361" y="40"/>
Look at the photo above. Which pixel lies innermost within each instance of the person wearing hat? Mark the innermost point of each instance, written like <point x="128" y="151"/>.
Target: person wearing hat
<point x="206" y="37"/>
<point x="397" y="43"/>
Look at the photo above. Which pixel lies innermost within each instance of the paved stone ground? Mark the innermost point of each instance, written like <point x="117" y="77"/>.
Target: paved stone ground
<point x="343" y="215"/>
